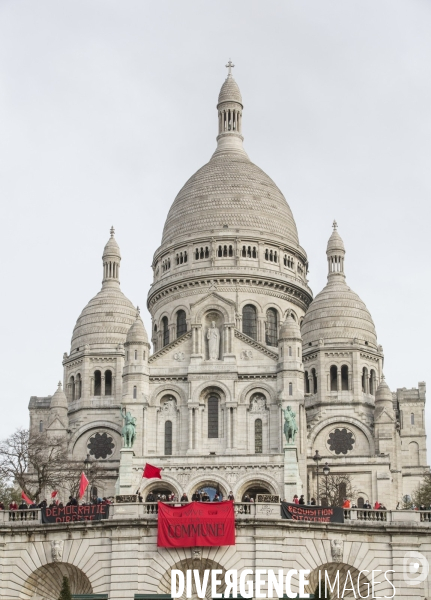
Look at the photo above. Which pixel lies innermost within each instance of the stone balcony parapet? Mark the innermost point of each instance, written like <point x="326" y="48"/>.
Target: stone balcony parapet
<point x="244" y="511"/>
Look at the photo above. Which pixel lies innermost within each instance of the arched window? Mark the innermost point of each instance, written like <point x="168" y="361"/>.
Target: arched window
<point x="344" y="377"/>
<point x="412" y="418"/>
<point x="135" y="392"/>
<point x="97" y="383"/>
<point x="258" y="436"/>
<point x="372" y="382"/>
<point x="40" y="426"/>
<point x="108" y="383"/>
<point x="290" y="389"/>
<point x="333" y="377"/>
<point x="165" y="329"/>
<point x="181" y="323"/>
<point x="306" y="383"/>
<point x="249" y="321"/>
<point x="342" y="493"/>
<point x="213" y="403"/>
<point x="136" y="355"/>
<point x="360" y="503"/>
<point x="413" y="454"/>
<point x="314" y="374"/>
<point x="127" y="355"/>
<point x="168" y="438"/>
<point x="72" y="388"/>
<point x="271" y="327"/>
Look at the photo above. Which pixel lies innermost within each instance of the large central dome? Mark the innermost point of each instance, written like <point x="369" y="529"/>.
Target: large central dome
<point x="230" y="191"/>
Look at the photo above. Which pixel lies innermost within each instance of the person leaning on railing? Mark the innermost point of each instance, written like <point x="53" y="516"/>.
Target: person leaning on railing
<point x="13" y="506"/>
<point x="23" y="506"/>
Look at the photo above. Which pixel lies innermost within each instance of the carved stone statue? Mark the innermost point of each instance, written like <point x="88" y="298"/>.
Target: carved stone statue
<point x="337" y="550"/>
<point x="128" y="432"/>
<point x="57" y="550"/>
<point x="290" y="426"/>
<point x="213" y="337"/>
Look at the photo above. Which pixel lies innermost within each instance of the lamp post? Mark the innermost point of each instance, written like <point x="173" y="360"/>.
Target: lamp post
<point x="87" y="465"/>
<point x="317" y="458"/>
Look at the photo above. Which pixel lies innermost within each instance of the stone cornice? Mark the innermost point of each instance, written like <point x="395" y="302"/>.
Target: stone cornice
<point x="269" y="284"/>
<point x="260" y="347"/>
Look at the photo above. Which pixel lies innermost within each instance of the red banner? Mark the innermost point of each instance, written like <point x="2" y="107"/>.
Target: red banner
<point x="196" y="524"/>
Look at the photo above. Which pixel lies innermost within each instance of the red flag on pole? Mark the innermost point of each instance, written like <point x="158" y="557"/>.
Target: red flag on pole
<point x="150" y="472"/>
<point x="83" y="483"/>
<point x="26" y="498"/>
<point x="54" y="493"/>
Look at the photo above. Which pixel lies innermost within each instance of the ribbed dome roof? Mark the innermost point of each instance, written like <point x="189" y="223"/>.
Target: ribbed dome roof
<point x="230" y="91"/>
<point x="337" y="313"/>
<point x="137" y="333"/>
<point x="105" y="320"/>
<point x="289" y="329"/>
<point x="335" y="243"/>
<point x="230" y="190"/>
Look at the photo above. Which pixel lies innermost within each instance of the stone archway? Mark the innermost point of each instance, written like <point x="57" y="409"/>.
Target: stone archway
<point x="45" y="583"/>
<point x="358" y="578"/>
<point x="196" y="561"/>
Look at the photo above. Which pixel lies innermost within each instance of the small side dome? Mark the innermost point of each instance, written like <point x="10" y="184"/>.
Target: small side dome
<point x="59" y="399"/>
<point x="289" y="329"/>
<point x="383" y="393"/>
<point x="229" y="91"/>
<point x="137" y="333"/>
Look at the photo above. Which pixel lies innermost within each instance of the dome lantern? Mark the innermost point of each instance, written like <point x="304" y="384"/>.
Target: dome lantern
<point x="229" y="108"/>
<point x="111" y="261"/>
<point x="335" y="252"/>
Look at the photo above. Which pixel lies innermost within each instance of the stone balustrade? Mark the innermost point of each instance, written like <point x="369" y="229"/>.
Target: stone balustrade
<point x="243" y="511"/>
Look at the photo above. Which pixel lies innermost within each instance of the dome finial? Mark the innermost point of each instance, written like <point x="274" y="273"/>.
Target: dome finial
<point x="230" y="66"/>
<point x="335" y="225"/>
<point x="112" y="231"/>
<point x="138" y="312"/>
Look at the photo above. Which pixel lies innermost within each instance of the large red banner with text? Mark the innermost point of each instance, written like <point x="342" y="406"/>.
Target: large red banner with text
<point x="196" y="524"/>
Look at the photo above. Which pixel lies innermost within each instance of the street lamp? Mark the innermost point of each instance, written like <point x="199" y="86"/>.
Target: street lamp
<point x="87" y="465"/>
<point x="317" y="458"/>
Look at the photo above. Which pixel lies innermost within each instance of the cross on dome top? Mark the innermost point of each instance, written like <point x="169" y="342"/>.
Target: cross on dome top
<point x="230" y="66"/>
<point x="112" y="231"/>
<point x="334" y="225"/>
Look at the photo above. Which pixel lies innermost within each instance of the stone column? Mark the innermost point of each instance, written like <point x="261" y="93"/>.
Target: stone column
<point x="339" y="379"/>
<point x="190" y="429"/>
<point x="102" y="392"/>
<point x="228" y="429"/>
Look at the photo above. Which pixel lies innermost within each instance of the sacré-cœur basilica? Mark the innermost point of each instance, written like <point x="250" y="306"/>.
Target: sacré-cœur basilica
<point x="237" y="345"/>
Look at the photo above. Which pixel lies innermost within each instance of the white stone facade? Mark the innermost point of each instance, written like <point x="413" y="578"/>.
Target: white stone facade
<point x="236" y="339"/>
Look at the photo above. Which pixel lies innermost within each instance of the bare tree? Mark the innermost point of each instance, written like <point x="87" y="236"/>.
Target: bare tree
<point x="33" y="463"/>
<point x="71" y="477"/>
<point x="335" y="488"/>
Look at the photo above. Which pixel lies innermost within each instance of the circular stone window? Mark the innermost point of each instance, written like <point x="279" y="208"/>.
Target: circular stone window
<point x="340" y="440"/>
<point x="101" y="445"/>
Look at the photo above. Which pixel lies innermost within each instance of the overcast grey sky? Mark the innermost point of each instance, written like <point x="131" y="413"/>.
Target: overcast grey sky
<point x="107" y="108"/>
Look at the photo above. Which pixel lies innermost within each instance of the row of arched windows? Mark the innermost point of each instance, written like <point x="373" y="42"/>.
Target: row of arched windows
<point x="225" y="251"/>
<point x="249" y="324"/>
<point x="181" y="322"/>
<point x="201" y="253"/>
<point x="368" y="381"/>
<point x="271" y="255"/>
<point x="334" y="384"/>
<point x="134" y="355"/>
<point x="213" y="427"/>
<point x="166" y="265"/>
<point x="75" y="384"/>
<point x="249" y="252"/>
<point x="288" y="261"/>
<point x="181" y="257"/>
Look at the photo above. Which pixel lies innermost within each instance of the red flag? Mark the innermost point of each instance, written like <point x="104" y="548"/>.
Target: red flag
<point x="196" y="524"/>
<point x="26" y="498"/>
<point x="54" y="493"/>
<point x="150" y="472"/>
<point x="83" y="483"/>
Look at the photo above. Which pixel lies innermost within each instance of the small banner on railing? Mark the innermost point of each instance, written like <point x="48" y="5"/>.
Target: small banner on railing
<point x="67" y="514"/>
<point x="318" y="514"/>
<point x="196" y="524"/>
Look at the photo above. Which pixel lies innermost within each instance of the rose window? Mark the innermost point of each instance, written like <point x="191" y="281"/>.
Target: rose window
<point x="341" y="441"/>
<point x="101" y="445"/>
